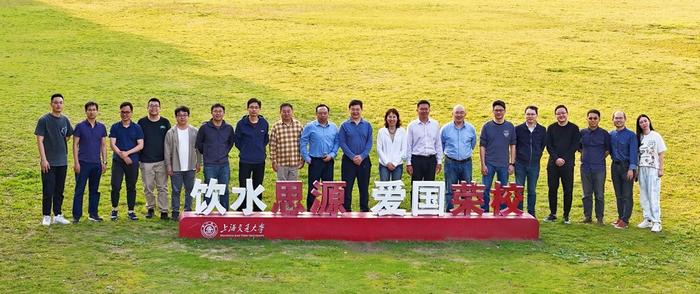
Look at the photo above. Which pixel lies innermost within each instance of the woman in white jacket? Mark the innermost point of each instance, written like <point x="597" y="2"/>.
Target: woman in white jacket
<point x="391" y="146"/>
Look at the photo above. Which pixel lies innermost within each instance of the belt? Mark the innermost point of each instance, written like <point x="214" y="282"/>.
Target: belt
<point x="423" y="156"/>
<point x="460" y="161"/>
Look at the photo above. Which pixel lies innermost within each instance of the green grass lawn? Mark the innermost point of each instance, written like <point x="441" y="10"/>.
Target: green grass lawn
<point x="638" y="56"/>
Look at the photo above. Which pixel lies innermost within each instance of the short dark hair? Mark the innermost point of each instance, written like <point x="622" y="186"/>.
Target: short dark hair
<point x="533" y="107"/>
<point x="154" y="99"/>
<point x="283" y="105"/>
<point x="354" y="102"/>
<point x="56" y="95"/>
<point x="131" y="106"/>
<point x="253" y="100"/>
<point x="92" y="103"/>
<point x="395" y="112"/>
<point x="593" y="111"/>
<point x="218" y="105"/>
<point x="498" y="103"/>
<point x="322" y="105"/>
<point x="561" y="106"/>
<point x="182" y="109"/>
<point x="422" y="101"/>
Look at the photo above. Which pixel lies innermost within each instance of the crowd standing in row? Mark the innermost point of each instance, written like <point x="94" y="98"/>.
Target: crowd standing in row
<point x="158" y="150"/>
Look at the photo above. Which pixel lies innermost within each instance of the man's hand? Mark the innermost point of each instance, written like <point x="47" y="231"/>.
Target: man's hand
<point x="390" y="166"/>
<point x="630" y="175"/>
<point x="274" y="167"/>
<point x="327" y="158"/>
<point x="511" y="168"/>
<point x="45" y="166"/>
<point x="484" y="170"/>
<point x="559" y="162"/>
<point x="357" y="160"/>
<point x="438" y="168"/>
<point x="76" y="168"/>
<point x="104" y="167"/>
<point x="409" y="169"/>
<point x="170" y="171"/>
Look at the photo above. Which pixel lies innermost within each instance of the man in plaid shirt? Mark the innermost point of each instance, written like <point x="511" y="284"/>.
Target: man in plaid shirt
<point x="284" y="145"/>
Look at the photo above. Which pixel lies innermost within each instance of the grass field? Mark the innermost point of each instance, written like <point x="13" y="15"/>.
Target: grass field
<point x="638" y="56"/>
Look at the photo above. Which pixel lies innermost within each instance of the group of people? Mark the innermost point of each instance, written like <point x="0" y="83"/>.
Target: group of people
<point x="158" y="150"/>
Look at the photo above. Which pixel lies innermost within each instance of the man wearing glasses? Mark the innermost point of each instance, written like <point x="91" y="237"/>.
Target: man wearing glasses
<point x="126" y="140"/>
<point x="595" y="146"/>
<point x="182" y="160"/>
<point x="153" y="171"/>
<point x="497" y="149"/>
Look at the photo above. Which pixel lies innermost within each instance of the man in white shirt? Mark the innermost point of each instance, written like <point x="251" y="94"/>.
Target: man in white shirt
<point x="423" y="145"/>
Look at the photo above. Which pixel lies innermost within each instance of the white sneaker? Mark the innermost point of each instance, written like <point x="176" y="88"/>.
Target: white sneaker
<point x="656" y="227"/>
<point x="46" y="221"/>
<point x="645" y="224"/>
<point x="59" y="219"/>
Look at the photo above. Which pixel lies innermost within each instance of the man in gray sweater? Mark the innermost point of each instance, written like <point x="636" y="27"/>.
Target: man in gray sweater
<point x="182" y="159"/>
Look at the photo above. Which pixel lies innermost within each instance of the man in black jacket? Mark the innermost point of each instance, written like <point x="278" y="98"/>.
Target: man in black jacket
<point x="530" y="142"/>
<point x="563" y="139"/>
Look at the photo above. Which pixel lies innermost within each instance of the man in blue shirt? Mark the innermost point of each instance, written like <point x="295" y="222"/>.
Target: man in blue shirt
<point x="251" y="140"/>
<point x="624" y="149"/>
<point x="89" y="161"/>
<point x="531" y="138"/>
<point x="318" y="146"/>
<point x="497" y="150"/>
<point x="355" y="136"/>
<point x="458" y="142"/>
<point x="215" y="139"/>
<point x="595" y="146"/>
<point x="126" y="140"/>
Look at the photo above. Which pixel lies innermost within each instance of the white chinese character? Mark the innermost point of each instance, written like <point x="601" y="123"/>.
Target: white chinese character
<point x="390" y="195"/>
<point x="250" y="196"/>
<point x="428" y="198"/>
<point x="213" y="190"/>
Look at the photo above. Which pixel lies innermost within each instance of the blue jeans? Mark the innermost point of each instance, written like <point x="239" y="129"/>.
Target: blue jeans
<point x="502" y="173"/>
<point x="222" y="173"/>
<point x="529" y="173"/>
<point x="386" y="175"/>
<point x="93" y="173"/>
<point x="177" y="180"/>
<point x="456" y="171"/>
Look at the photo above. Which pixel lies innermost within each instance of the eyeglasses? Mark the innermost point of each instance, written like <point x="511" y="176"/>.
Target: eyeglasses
<point x="126" y="112"/>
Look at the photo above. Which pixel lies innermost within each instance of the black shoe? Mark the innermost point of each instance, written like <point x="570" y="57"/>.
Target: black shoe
<point x="75" y="220"/>
<point x="132" y="216"/>
<point x="176" y="216"/>
<point x="566" y="220"/>
<point x="586" y="220"/>
<point x="114" y="215"/>
<point x="95" y="218"/>
<point x="600" y="221"/>
<point x="150" y="212"/>
<point x="551" y="218"/>
<point x="164" y="216"/>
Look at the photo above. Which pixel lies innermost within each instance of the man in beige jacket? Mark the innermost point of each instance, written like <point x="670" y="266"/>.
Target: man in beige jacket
<point x="182" y="159"/>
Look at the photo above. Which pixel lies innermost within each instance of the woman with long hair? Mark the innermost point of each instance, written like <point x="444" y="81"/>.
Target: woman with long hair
<point x="651" y="169"/>
<point x="391" y="146"/>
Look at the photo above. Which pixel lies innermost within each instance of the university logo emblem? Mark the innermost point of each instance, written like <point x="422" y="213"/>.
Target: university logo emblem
<point x="506" y="133"/>
<point x="209" y="230"/>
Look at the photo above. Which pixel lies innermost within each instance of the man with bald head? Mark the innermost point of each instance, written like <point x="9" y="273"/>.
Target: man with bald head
<point x="458" y="142"/>
<point x="623" y="145"/>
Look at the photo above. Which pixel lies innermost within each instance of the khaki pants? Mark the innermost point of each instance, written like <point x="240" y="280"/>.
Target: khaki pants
<point x="287" y="173"/>
<point x="154" y="178"/>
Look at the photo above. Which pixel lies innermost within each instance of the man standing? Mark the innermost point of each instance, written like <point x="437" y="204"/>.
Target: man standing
<point x="497" y="149"/>
<point x="624" y="152"/>
<point x="595" y="146"/>
<point x="89" y="162"/>
<point x="153" y="171"/>
<point x="563" y="138"/>
<point x="215" y="139"/>
<point x="318" y="146"/>
<point x="458" y="140"/>
<point x="126" y="140"/>
<point x="423" y="145"/>
<point x="251" y="140"/>
<point x="182" y="159"/>
<point x="355" y="137"/>
<point x="284" y="145"/>
<point x="530" y="142"/>
<point x="53" y="130"/>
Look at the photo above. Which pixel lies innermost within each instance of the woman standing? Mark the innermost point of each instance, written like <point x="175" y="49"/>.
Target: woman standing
<point x="651" y="169"/>
<point x="391" y="146"/>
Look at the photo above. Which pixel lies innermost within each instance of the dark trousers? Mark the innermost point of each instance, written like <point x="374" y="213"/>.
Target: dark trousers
<point x="528" y="174"/>
<point x="565" y="174"/>
<point x="318" y="170"/>
<point x="593" y="185"/>
<point x="91" y="172"/>
<point x="423" y="168"/>
<point x="350" y="171"/>
<point x="623" y="190"/>
<point x="256" y="171"/>
<point x="130" y="173"/>
<point x="177" y="180"/>
<point x="52" y="184"/>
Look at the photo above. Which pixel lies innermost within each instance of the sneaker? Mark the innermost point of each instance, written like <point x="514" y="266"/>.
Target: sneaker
<point x="95" y="218"/>
<point x="59" y="219"/>
<point x="551" y="218"/>
<point x="656" y="227"/>
<point x="114" y="215"/>
<point x="46" y="221"/>
<point x="150" y="213"/>
<point x="620" y="224"/>
<point x="133" y="217"/>
<point x="566" y="220"/>
<point x="645" y="224"/>
<point x="586" y="220"/>
<point x="616" y="221"/>
<point x="164" y="216"/>
<point x="176" y="216"/>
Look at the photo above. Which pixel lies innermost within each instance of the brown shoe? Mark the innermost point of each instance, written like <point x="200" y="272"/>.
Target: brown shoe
<point x="586" y="220"/>
<point x="615" y="222"/>
<point x="621" y="225"/>
<point x="600" y="222"/>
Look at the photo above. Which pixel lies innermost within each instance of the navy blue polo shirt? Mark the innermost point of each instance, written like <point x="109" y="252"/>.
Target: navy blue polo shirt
<point x="594" y="145"/>
<point x="126" y="138"/>
<point x="91" y="139"/>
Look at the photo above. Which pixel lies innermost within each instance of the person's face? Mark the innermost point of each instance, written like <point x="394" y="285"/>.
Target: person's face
<point x="593" y="120"/>
<point x="391" y="119"/>
<point x="530" y="116"/>
<point x="355" y="111"/>
<point x="217" y="114"/>
<point x="153" y="108"/>
<point x="322" y="114"/>
<point x="253" y="109"/>
<point x="644" y="124"/>
<point x="91" y="112"/>
<point x="182" y="117"/>
<point x="619" y="120"/>
<point x="499" y="112"/>
<point x="125" y="113"/>
<point x="286" y="113"/>
<point x="458" y="115"/>
<point x="562" y="115"/>
<point x="57" y="104"/>
<point x="423" y="110"/>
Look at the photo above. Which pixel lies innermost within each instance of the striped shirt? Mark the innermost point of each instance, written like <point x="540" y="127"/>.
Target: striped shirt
<point x="284" y="143"/>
